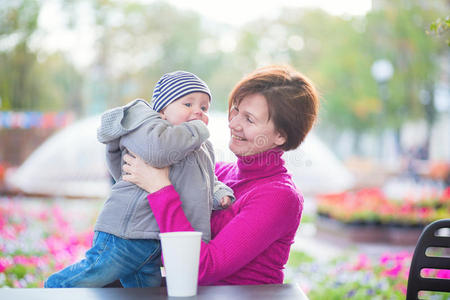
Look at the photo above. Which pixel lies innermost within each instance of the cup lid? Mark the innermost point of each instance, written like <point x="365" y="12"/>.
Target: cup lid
<point x="176" y="234"/>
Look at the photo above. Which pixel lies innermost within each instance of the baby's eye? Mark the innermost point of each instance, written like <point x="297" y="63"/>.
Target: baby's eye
<point x="204" y="108"/>
<point x="250" y="120"/>
<point x="188" y="104"/>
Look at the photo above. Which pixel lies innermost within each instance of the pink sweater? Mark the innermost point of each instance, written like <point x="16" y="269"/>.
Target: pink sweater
<point x="250" y="240"/>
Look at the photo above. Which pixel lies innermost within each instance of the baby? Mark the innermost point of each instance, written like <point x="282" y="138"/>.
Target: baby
<point x="170" y="132"/>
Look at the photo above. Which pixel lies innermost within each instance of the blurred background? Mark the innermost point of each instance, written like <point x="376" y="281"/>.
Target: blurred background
<point x="374" y="171"/>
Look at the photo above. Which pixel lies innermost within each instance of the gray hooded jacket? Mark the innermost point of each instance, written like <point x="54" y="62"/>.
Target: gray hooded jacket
<point x="138" y="128"/>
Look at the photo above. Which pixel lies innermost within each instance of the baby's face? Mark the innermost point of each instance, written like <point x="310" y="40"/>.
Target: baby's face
<point x="194" y="106"/>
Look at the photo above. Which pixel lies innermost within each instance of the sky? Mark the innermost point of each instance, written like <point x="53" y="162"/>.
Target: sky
<point x="238" y="12"/>
<point x="79" y="43"/>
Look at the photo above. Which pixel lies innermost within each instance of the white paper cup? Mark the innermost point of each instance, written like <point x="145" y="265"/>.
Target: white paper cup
<point x="181" y="253"/>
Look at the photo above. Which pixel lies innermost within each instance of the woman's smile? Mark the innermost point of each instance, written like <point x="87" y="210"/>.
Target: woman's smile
<point x="236" y="137"/>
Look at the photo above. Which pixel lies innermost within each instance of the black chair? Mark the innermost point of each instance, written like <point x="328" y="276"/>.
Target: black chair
<point x="420" y="260"/>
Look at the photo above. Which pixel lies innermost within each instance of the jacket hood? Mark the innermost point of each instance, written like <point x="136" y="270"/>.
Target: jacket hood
<point x="119" y="121"/>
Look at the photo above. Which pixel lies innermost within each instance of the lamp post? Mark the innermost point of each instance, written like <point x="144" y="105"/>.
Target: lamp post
<point x="382" y="71"/>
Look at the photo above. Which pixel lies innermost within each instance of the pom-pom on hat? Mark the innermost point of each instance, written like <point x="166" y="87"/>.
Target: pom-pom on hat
<point x="172" y="86"/>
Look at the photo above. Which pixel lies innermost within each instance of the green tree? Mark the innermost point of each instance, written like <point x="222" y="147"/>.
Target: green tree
<point x="18" y="21"/>
<point x="337" y="53"/>
<point x="137" y="43"/>
<point x="330" y="50"/>
<point x="26" y="82"/>
<point x="398" y="34"/>
<point x="441" y="28"/>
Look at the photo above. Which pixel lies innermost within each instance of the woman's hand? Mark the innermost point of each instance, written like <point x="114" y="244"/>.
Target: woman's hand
<point x="146" y="177"/>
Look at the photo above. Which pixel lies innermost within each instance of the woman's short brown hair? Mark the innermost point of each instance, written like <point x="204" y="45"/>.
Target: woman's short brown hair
<point x="291" y="97"/>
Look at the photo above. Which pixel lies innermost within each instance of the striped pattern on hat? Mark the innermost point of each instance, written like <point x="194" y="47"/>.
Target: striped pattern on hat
<point x="173" y="86"/>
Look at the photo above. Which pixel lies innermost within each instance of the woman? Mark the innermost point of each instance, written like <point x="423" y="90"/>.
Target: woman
<point x="270" y="111"/>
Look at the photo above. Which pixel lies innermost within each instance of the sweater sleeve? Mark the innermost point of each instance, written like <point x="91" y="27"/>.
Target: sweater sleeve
<point x="258" y="223"/>
<point x="113" y="157"/>
<point x="162" y="144"/>
<point x="221" y="190"/>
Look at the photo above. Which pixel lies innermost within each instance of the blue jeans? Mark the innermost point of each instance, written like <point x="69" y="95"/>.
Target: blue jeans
<point x="135" y="262"/>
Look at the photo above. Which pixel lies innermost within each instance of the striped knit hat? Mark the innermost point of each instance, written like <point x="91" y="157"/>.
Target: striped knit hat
<point x="173" y="86"/>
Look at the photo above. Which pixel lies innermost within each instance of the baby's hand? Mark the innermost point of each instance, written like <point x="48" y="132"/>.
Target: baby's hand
<point x="225" y="202"/>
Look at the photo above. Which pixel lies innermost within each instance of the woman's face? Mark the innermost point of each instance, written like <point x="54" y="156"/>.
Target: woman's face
<point x="251" y="130"/>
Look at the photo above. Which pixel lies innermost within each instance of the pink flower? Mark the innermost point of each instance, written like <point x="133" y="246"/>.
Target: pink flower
<point x="59" y="266"/>
<point x="8" y="233"/>
<point x="60" y="219"/>
<point x="427" y="273"/>
<point x="401" y="288"/>
<point x="19" y="228"/>
<point x="363" y="262"/>
<point x="393" y="272"/>
<point x="445" y="195"/>
<point x="86" y="238"/>
<point x="402" y="256"/>
<point x="20" y="259"/>
<point x="43" y="215"/>
<point x="385" y="258"/>
<point x="26" y="261"/>
<point x="55" y="245"/>
<point x="4" y="264"/>
<point x="2" y="222"/>
<point x="443" y="273"/>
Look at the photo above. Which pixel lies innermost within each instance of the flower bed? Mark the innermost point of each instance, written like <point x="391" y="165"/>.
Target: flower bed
<point x="355" y="276"/>
<point x="39" y="237"/>
<point x="372" y="207"/>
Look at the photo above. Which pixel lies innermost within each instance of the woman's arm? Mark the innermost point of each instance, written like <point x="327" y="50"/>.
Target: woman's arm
<point x="257" y="225"/>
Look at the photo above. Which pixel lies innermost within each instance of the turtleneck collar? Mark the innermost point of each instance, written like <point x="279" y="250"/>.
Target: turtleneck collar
<point x="261" y="164"/>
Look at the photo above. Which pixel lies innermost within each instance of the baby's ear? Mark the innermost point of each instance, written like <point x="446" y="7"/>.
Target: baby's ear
<point x="163" y="116"/>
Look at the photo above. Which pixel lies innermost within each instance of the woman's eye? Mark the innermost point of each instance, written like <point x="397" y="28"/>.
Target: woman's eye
<point x="233" y="111"/>
<point x="249" y="120"/>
